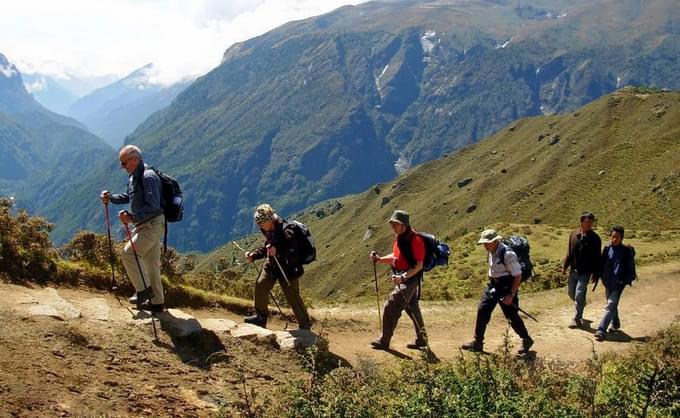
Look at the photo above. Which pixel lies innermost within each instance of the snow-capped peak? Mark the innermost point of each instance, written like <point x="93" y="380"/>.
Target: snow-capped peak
<point x="7" y="69"/>
<point x="142" y="78"/>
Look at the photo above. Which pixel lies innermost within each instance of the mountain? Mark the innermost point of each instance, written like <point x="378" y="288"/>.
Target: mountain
<point x="49" y="92"/>
<point x="41" y="152"/>
<point x="614" y="157"/>
<point x="330" y="105"/>
<point x="115" y="110"/>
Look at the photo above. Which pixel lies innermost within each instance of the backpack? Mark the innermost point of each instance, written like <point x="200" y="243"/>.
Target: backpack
<point x="436" y="252"/>
<point x="171" y="200"/>
<point x="520" y="246"/>
<point x="304" y="240"/>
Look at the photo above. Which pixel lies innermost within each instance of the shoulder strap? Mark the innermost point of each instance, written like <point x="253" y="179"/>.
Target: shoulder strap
<point x="504" y="249"/>
<point x="407" y="251"/>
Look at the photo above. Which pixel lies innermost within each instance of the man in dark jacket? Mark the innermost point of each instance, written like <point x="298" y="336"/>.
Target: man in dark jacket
<point x="618" y="270"/>
<point x="144" y="196"/>
<point x="406" y="259"/>
<point x="583" y="260"/>
<point x="283" y="265"/>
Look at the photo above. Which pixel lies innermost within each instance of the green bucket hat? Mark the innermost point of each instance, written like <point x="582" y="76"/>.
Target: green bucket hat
<point x="400" y="216"/>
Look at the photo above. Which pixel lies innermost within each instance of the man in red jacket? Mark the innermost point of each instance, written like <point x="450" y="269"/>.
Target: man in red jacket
<point x="406" y="259"/>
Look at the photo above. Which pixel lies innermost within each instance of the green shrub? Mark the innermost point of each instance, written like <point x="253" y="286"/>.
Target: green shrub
<point x="26" y="251"/>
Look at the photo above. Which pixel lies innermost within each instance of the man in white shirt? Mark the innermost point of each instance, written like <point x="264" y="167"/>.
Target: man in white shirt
<point x="505" y="276"/>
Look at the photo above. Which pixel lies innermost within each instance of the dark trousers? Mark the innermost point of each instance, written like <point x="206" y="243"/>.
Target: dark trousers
<point x="403" y="297"/>
<point x="490" y="298"/>
<point x="266" y="282"/>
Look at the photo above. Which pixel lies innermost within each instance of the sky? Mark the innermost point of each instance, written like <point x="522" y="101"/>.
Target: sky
<point x="95" y="38"/>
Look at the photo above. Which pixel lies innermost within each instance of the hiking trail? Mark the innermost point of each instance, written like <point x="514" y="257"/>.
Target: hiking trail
<point x="67" y="350"/>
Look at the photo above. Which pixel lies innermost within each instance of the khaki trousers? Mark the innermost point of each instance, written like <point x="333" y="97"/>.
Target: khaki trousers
<point x="265" y="283"/>
<point x="147" y="239"/>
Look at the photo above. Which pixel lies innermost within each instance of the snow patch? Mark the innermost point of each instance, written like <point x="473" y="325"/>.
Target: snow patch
<point x="618" y="82"/>
<point x="562" y="14"/>
<point x="36" y="86"/>
<point x="427" y="41"/>
<point x="504" y="44"/>
<point x="8" y="70"/>
<point x="538" y="70"/>
<point x="401" y="165"/>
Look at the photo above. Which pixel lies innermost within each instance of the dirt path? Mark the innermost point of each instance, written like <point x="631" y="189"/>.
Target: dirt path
<point x="649" y="306"/>
<point x="104" y="362"/>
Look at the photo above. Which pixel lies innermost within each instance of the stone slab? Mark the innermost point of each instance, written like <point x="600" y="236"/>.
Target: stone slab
<point x="218" y="325"/>
<point x="296" y="339"/>
<point x="178" y="323"/>
<point x="96" y="308"/>
<point x="253" y="333"/>
<point x="49" y="303"/>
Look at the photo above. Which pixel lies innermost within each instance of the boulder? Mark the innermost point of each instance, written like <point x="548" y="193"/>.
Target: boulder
<point x="464" y="182"/>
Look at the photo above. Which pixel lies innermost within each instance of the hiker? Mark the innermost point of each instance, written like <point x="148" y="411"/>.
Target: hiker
<point x="146" y="214"/>
<point x="406" y="260"/>
<point x="618" y="270"/>
<point x="583" y="260"/>
<point x="282" y="251"/>
<point x="505" y="276"/>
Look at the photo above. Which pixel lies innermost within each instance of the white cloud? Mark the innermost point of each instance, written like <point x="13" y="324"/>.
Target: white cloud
<point x="182" y="37"/>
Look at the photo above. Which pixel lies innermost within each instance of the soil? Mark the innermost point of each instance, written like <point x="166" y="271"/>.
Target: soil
<point x="114" y="367"/>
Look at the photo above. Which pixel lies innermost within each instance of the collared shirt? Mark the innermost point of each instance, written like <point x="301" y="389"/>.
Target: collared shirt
<point x="143" y="194"/>
<point x="497" y="268"/>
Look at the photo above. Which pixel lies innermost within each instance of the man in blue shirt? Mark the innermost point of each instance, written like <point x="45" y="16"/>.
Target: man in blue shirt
<point x="144" y="196"/>
<point x="618" y="270"/>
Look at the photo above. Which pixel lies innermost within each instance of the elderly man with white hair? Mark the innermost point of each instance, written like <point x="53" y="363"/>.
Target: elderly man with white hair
<point x="144" y="196"/>
<point x="505" y="276"/>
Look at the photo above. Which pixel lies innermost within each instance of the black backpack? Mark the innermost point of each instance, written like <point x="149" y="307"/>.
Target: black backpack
<point x="171" y="200"/>
<point x="436" y="252"/>
<point x="304" y="240"/>
<point x="520" y="246"/>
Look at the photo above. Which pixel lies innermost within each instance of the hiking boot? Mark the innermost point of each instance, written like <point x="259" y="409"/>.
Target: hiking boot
<point x="141" y="297"/>
<point x="474" y="346"/>
<point x="151" y="307"/>
<point x="576" y="323"/>
<point x="616" y="325"/>
<point x="417" y="344"/>
<point x="599" y="335"/>
<point x="257" y="319"/>
<point x="526" y="345"/>
<point x="379" y="345"/>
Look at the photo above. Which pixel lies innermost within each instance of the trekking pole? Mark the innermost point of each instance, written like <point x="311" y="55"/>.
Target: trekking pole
<point x="377" y="295"/>
<point x="271" y="294"/>
<point x="114" y="285"/>
<point x="525" y="312"/>
<point x="141" y="273"/>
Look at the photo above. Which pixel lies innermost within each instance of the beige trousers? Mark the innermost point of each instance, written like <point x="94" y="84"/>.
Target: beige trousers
<point x="147" y="238"/>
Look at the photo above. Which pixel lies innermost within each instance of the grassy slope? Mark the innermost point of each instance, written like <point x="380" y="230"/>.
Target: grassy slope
<point x="614" y="157"/>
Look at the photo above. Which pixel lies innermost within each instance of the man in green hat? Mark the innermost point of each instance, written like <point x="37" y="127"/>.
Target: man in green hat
<point x="406" y="260"/>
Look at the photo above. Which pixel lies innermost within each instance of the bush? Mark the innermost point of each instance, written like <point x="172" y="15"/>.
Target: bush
<point x="645" y="382"/>
<point x="26" y="251"/>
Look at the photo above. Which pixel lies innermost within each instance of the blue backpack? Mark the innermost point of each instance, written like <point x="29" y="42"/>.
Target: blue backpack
<point x="436" y="252"/>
